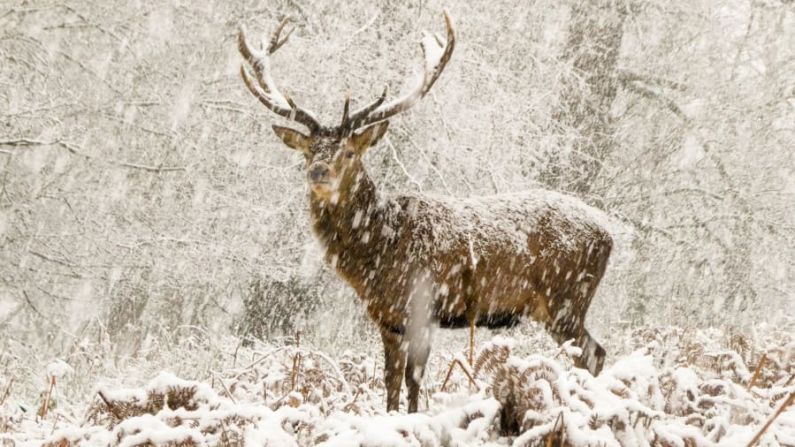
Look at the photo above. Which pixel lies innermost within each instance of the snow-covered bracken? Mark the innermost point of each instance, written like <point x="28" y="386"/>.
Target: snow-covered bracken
<point x="672" y="387"/>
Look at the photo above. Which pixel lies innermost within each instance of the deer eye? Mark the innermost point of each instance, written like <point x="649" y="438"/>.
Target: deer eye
<point x="348" y="154"/>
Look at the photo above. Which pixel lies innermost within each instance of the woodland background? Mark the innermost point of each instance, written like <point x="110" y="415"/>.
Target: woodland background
<point x="142" y="190"/>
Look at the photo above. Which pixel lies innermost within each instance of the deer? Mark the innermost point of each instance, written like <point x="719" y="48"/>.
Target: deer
<point x="420" y="261"/>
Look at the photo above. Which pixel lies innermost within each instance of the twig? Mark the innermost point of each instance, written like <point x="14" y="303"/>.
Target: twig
<point x="51" y="259"/>
<point x="350" y="405"/>
<point x="237" y="348"/>
<point x="471" y="343"/>
<point x="224" y="435"/>
<point x="228" y="393"/>
<point x="769" y="422"/>
<point x="365" y="26"/>
<point x="296" y="361"/>
<point x="258" y="361"/>
<point x="556" y="434"/>
<point x="46" y="407"/>
<point x="30" y="303"/>
<point x="757" y="371"/>
<point x="401" y="165"/>
<point x="375" y="369"/>
<point x="7" y="392"/>
<point x="80" y="64"/>
<point x="450" y="372"/>
<point x="55" y="423"/>
<point x="39" y="110"/>
<point x="429" y="161"/>
<point x="340" y="377"/>
<point x="651" y="94"/>
<point x="629" y="76"/>
<point x="111" y="407"/>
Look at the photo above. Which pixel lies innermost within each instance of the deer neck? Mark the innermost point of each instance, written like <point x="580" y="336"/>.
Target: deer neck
<point x="351" y="229"/>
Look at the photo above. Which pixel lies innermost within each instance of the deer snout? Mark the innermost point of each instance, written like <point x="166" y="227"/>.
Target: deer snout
<point x="319" y="173"/>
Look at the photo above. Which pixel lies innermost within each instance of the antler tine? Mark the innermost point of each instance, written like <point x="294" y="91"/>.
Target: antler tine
<point x="430" y="75"/>
<point x="265" y="89"/>
<point x="354" y="121"/>
<point x="448" y="52"/>
<point x="345" y="110"/>
<point x="275" y="42"/>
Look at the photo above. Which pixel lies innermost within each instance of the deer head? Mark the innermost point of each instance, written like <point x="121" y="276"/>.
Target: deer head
<point x="334" y="153"/>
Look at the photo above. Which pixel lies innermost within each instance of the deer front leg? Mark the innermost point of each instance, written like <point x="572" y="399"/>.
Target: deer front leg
<point x="419" y="347"/>
<point x="394" y="363"/>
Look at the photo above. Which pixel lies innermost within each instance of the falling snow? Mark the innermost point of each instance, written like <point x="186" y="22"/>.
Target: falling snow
<point x="163" y="280"/>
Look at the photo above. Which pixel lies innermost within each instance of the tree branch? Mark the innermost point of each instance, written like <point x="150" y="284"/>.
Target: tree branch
<point x="658" y="97"/>
<point x="624" y="75"/>
<point x="25" y="142"/>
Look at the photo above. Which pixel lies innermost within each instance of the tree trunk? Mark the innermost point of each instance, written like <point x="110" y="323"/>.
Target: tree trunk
<point x="592" y="49"/>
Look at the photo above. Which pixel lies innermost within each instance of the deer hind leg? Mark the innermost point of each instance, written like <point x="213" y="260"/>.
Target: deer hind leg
<point x="572" y="326"/>
<point x="419" y="348"/>
<point x="394" y="363"/>
<point x="593" y="354"/>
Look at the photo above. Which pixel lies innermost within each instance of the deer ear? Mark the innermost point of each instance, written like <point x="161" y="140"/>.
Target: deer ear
<point x="369" y="136"/>
<point x="292" y="138"/>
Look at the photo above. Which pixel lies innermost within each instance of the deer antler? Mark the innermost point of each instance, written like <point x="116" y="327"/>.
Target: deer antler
<point x="436" y="58"/>
<point x="265" y="88"/>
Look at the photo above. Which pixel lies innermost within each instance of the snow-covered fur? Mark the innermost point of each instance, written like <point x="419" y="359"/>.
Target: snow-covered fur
<point x="489" y="260"/>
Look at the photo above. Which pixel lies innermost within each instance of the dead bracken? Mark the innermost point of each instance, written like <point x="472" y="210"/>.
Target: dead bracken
<point x="667" y="391"/>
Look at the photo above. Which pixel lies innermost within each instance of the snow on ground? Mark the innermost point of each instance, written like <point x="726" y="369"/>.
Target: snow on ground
<point x="670" y="387"/>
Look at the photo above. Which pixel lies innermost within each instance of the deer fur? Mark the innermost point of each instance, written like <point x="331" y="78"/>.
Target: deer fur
<point x="491" y="260"/>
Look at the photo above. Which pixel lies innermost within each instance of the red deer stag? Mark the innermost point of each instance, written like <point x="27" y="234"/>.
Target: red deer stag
<point x="416" y="261"/>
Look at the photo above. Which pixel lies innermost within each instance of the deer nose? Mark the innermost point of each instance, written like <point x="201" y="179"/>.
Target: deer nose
<point x="318" y="172"/>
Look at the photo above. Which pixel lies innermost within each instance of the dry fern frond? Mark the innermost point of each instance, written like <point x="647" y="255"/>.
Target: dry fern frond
<point x="117" y="410"/>
<point x="490" y="357"/>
